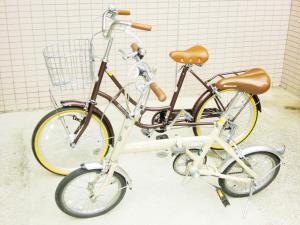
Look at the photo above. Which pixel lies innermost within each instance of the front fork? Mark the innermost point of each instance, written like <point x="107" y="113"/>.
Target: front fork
<point x="113" y="158"/>
<point x="79" y="131"/>
<point x="108" y="178"/>
<point x="92" y="103"/>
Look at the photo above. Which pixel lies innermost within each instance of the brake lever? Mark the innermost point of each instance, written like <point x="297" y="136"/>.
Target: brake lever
<point x="126" y="56"/>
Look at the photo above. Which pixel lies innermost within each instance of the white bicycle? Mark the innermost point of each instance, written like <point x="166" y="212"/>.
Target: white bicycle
<point x="96" y="188"/>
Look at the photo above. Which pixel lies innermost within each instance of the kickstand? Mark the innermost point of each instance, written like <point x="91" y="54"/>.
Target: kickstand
<point x="245" y="211"/>
<point x="252" y="185"/>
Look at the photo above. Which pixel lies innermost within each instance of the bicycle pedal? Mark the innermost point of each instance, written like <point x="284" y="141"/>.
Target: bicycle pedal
<point x="162" y="154"/>
<point x="222" y="197"/>
<point x="162" y="136"/>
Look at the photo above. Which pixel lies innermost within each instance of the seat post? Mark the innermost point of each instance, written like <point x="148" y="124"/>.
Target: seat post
<point x="178" y="87"/>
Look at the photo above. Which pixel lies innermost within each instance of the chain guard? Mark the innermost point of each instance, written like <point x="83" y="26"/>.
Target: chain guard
<point x="160" y="117"/>
<point x="185" y="159"/>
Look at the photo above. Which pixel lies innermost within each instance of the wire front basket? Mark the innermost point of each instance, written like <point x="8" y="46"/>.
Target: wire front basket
<point x="70" y="64"/>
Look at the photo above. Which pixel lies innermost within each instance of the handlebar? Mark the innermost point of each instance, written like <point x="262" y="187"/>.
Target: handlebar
<point x="153" y="86"/>
<point x="141" y="26"/>
<point x="158" y="92"/>
<point x="111" y="13"/>
<point x="134" y="47"/>
<point x="123" y="12"/>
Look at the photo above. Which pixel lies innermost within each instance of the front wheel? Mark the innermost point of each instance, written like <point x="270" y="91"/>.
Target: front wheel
<point x="243" y="115"/>
<point x="77" y="194"/>
<point x="264" y="164"/>
<point x="53" y="135"/>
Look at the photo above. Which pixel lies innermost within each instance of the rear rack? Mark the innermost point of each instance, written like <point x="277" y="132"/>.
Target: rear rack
<point x="221" y="75"/>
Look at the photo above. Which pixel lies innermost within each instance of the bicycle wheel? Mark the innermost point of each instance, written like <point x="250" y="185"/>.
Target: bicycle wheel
<point x="264" y="164"/>
<point x="52" y="137"/>
<point x="76" y="195"/>
<point x="210" y="112"/>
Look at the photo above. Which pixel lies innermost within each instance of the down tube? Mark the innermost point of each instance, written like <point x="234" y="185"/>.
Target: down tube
<point x="165" y="144"/>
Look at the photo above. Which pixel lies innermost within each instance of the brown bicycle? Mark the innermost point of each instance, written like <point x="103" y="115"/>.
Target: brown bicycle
<point x="78" y="131"/>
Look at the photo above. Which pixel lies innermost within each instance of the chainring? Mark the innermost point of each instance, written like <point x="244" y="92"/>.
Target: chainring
<point x="182" y="160"/>
<point x="159" y="117"/>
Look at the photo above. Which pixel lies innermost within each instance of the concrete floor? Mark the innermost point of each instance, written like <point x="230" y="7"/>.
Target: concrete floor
<point x="158" y="195"/>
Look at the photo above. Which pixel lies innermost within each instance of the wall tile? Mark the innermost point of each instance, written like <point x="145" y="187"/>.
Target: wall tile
<point x="291" y="67"/>
<point x="238" y="34"/>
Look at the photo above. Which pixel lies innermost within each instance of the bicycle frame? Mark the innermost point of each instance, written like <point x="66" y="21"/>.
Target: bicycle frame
<point x="169" y="108"/>
<point x="198" y="167"/>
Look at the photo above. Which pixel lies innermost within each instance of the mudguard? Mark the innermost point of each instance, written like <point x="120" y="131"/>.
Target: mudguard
<point x="277" y="151"/>
<point x="207" y="94"/>
<point x="105" y="120"/>
<point x="257" y="102"/>
<point x="73" y="103"/>
<point x="101" y="166"/>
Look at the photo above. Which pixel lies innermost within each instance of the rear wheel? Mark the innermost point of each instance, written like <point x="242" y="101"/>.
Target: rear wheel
<point x="264" y="164"/>
<point x="54" y="133"/>
<point x="210" y="111"/>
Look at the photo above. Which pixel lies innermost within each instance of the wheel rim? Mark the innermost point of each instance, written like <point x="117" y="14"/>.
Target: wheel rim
<point x="76" y="196"/>
<point x="245" y="121"/>
<point x="52" y="144"/>
<point x="181" y="162"/>
<point x="262" y="164"/>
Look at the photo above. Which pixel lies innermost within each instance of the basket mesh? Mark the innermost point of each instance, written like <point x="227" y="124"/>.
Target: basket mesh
<point x="70" y="64"/>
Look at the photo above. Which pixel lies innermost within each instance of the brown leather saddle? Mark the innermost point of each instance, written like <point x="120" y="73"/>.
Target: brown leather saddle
<point x="194" y="55"/>
<point x="254" y="81"/>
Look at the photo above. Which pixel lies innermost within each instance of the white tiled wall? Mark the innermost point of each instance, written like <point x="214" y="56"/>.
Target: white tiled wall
<point x="238" y="34"/>
<point x="291" y="68"/>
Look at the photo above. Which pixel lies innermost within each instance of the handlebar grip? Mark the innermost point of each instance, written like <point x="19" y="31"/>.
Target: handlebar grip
<point x="158" y="92"/>
<point x="123" y="12"/>
<point x="134" y="46"/>
<point x="141" y="26"/>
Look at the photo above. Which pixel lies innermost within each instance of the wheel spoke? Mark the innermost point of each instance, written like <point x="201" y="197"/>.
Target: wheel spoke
<point x="53" y="145"/>
<point x="77" y="202"/>
<point x="261" y="163"/>
<point x="244" y="121"/>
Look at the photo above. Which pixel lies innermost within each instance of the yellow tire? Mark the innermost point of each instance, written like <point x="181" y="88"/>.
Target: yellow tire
<point x="245" y="121"/>
<point x="53" y="134"/>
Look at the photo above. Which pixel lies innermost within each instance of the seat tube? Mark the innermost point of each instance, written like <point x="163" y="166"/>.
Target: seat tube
<point x="178" y="88"/>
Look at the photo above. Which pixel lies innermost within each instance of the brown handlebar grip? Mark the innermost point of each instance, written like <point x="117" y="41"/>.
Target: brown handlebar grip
<point x="141" y="26"/>
<point x="123" y="12"/>
<point x="158" y="92"/>
<point x="134" y="46"/>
